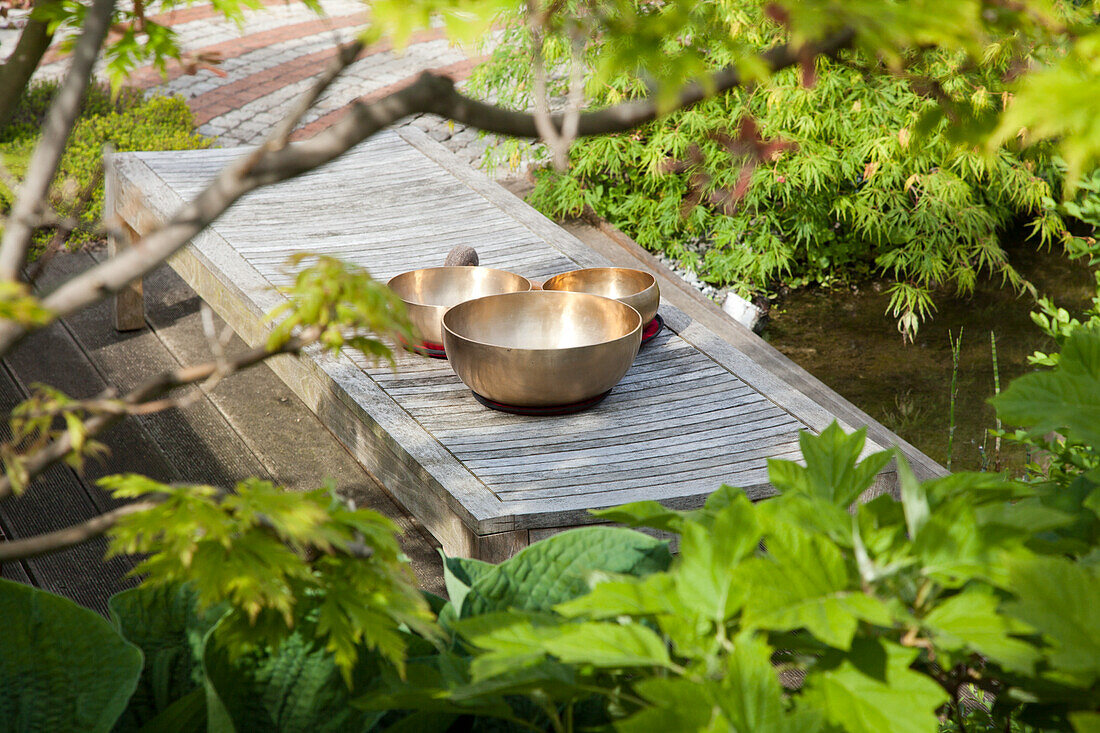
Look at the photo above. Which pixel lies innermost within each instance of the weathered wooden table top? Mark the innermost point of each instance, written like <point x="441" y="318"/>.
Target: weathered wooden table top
<point x="691" y="414"/>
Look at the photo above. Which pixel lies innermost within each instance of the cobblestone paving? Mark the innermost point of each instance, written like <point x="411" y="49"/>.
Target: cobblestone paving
<point x="272" y="58"/>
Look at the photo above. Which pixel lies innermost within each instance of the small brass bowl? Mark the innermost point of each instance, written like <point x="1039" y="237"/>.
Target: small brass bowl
<point x="428" y="293"/>
<point x="636" y="288"/>
<point x="541" y="348"/>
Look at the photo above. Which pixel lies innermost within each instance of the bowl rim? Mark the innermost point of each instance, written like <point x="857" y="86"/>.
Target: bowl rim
<point x="389" y="283"/>
<point x="650" y="275"/>
<point x="552" y="293"/>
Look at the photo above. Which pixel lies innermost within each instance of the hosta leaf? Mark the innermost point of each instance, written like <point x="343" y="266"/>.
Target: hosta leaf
<point x="971" y="621"/>
<point x="872" y="689"/>
<point x="164" y="623"/>
<point x="555" y="570"/>
<point x="1060" y="599"/>
<point x="459" y="574"/>
<point x="63" y="667"/>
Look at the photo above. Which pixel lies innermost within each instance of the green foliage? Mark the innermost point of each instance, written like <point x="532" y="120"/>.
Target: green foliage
<point x="164" y="622"/>
<point x="344" y="304"/>
<point x="126" y="123"/>
<point x="858" y="172"/>
<point x="252" y="550"/>
<point x="62" y="667"/>
<point x="806" y="612"/>
<point x="294" y="687"/>
<point x="550" y="572"/>
<point x="33" y="428"/>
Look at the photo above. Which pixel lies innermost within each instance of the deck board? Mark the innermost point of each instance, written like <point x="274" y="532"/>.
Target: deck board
<point x="691" y="413"/>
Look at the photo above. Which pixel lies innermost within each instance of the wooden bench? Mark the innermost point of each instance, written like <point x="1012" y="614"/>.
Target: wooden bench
<point x="694" y="411"/>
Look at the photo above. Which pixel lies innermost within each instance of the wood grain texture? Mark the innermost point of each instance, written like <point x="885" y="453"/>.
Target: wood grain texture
<point x="693" y="412"/>
<point x="128" y="305"/>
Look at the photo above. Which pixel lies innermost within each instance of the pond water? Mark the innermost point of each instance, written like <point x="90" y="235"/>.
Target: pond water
<point x="844" y="338"/>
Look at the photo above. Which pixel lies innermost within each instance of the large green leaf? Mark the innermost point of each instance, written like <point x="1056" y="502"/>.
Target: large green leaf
<point x="1066" y="399"/>
<point x="459" y="573"/>
<point x="646" y="596"/>
<point x="805" y="583"/>
<point x="872" y="689"/>
<point x="164" y="623"/>
<point x="556" y="569"/>
<point x="678" y="705"/>
<point x="971" y="621"/>
<point x="752" y="697"/>
<point x="1061" y="599"/>
<point x="62" y="667"/>
<point x="296" y="687"/>
<point x="704" y="578"/>
<point x="516" y="637"/>
<point x="833" y="471"/>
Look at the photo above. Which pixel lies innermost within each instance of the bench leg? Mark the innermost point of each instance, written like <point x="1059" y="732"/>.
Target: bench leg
<point x="497" y="548"/>
<point x="128" y="305"/>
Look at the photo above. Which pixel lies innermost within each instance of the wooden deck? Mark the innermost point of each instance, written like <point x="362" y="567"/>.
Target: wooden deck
<point x="695" y="411"/>
<point x="250" y="425"/>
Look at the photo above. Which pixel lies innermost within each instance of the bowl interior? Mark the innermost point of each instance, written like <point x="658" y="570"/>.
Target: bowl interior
<point x="542" y="320"/>
<point x="610" y="282"/>
<point x="449" y="286"/>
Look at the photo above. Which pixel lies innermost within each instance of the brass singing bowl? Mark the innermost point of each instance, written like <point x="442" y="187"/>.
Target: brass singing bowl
<point x="428" y="293"/>
<point x="541" y="348"/>
<point x="636" y="288"/>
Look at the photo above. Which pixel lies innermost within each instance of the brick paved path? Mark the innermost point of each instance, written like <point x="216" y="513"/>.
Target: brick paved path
<point x="269" y="61"/>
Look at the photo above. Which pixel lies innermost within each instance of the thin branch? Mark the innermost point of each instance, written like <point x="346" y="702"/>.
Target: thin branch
<point x="19" y="228"/>
<point x="546" y="128"/>
<point x="429" y="93"/>
<point x="139" y="401"/>
<point x="67" y="225"/>
<point x="344" y="58"/>
<point x="576" y="91"/>
<point x="62" y="539"/>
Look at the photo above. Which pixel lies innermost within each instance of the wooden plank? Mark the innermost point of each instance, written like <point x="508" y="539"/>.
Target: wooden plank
<point x="625" y="252"/>
<point x="496" y="548"/>
<point x="128" y="311"/>
<point x="195" y="440"/>
<point x="55" y="500"/>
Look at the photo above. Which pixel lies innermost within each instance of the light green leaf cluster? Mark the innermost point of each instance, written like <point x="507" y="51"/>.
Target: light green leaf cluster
<point x="34" y="426"/>
<point x="277" y="559"/>
<point x="344" y="304"/>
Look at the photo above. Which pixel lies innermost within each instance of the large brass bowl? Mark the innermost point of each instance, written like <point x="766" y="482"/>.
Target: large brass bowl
<point x="636" y="288"/>
<point x="542" y="348"/>
<point x="428" y="293"/>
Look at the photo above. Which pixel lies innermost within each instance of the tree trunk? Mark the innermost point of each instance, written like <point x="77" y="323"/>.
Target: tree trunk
<point x="16" y="73"/>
